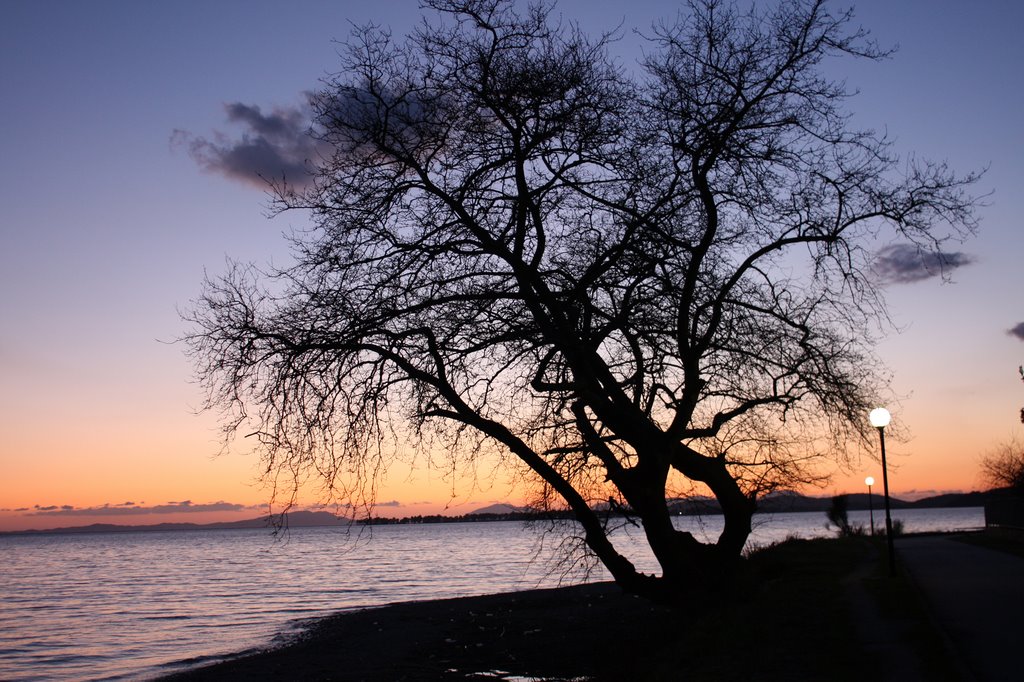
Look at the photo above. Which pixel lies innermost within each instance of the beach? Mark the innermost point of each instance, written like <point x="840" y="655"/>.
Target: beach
<point x="592" y="631"/>
<point x="784" y="619"/>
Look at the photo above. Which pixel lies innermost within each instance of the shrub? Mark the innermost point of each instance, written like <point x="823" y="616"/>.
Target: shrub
<point x="838" y="516"/>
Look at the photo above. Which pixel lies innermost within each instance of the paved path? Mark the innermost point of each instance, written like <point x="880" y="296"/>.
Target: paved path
<point x="976" y="595"/>
<point x="881" y="636"/>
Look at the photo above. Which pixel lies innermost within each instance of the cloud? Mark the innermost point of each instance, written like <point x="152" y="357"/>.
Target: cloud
<point x="280" y="144"/>
<point x="390" y="503"/>
<point x="1017" y="331"/>
<point x="131" y="509"/>
<point x="918" y="494"/>
<point x="272" y="146"/>
<point x="905" y="263"/>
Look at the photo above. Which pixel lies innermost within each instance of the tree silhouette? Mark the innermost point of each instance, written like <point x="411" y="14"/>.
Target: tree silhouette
<point x="1004" y="466"/>
<point x="629" y="280"/>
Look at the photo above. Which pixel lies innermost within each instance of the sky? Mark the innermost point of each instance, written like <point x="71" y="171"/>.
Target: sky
<point x="116" y="197"/>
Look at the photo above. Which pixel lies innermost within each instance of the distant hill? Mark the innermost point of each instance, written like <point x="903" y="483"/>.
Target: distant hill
<point x="500" y="508"/>
<point x="296" y="519"/>
<point x="789" y="501"/>
<point x="778" y="502"/>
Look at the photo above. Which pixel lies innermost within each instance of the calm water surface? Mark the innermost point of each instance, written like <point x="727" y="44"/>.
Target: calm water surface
<point x="137" y="605"/>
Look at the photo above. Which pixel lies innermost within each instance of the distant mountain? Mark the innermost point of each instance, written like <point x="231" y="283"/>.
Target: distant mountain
<point x="789" y="501"/>
<point x="972" y="499"/>
<point x="296" y="519"/>
<point x="500" y="508"/>
<point x="777" y="502"/>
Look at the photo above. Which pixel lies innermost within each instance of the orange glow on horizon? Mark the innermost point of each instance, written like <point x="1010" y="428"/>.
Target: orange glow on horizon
<point x="88" y="468"/>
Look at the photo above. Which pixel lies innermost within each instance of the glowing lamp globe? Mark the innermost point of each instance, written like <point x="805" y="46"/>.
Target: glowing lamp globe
<point x="879" y="417"/>
<point x="869" y="481"/>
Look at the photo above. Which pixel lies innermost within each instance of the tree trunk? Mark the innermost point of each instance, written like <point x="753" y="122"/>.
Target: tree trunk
<point x="737" y="509"/>
<point x="687" y="564"/>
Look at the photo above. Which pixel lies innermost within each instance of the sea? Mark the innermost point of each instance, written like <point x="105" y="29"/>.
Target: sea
<point x="139" y="605"/>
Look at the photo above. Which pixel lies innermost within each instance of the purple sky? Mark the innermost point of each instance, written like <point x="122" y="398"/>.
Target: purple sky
<point x="108" y="223"/>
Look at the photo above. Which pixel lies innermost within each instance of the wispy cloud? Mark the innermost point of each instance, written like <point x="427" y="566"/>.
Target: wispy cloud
<point x="132" y="509"/>
<point x="1017" y="331"/>
<point x="905" y="263"/>
<point x="272" y="146"/>
<point x="917" y="494"/>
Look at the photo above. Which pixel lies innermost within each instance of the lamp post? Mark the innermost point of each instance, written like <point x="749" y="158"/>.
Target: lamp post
<point x="870" y="481"/>
<point x="880" y="418"/>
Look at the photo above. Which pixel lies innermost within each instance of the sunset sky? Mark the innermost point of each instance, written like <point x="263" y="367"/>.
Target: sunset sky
<point x="108" y="223"/>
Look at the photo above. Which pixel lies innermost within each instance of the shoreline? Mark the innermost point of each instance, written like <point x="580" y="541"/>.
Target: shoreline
<point x="204" y="632"/>
<point x="804" y="609"/>
<point x="559" y="633"/>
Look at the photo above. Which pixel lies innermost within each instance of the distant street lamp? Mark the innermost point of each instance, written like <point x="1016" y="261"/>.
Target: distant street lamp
<point x="880" y="418"/>
<point x="870" y="481"/>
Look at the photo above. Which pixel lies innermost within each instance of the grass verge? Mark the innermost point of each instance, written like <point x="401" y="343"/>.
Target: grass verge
<point x="1009" y="540"/>
<point x="790" y="623"/>
<point x="795" y="621"/>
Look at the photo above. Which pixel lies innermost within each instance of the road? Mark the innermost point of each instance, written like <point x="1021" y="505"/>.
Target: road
<point x="976" y="596"/>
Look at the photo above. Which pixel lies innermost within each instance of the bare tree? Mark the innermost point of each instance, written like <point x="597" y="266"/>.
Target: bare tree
<point x="1004" y="466"/>
<point x="629" y="281"/>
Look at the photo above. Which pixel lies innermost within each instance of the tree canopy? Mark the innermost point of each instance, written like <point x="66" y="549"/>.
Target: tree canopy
<point x="621" y="277"/>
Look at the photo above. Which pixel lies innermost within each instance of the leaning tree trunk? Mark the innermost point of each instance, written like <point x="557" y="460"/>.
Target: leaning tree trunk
<point x="687" y="564"/>
<point x="737" y="508"/>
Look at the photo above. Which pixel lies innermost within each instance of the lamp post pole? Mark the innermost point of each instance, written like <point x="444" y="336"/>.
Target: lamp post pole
<point x="880" y="418"/>
<point x="870" y="481"/>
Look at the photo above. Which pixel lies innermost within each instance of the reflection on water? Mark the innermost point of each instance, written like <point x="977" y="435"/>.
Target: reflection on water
<point x="130" y="605"/>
